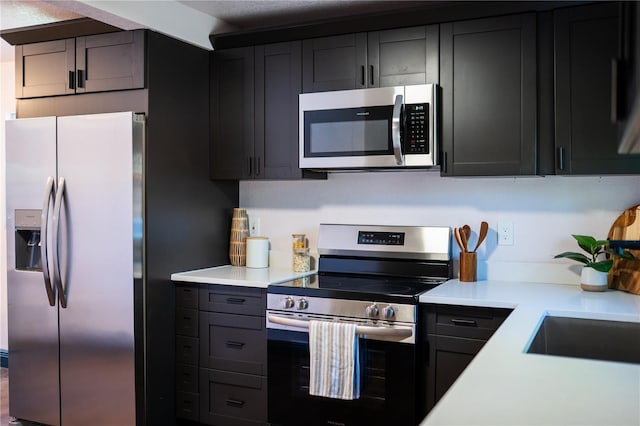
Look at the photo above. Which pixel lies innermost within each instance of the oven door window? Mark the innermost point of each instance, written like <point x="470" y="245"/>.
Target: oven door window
<point x="348" y="132"/>
<point x="387" y="388"/>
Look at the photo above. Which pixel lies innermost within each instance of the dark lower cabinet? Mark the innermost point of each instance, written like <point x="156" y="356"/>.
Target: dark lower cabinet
<point x="488" y="79"/>
<point x="221" y="367"/>
<point x="454" y="335"/>
<point x="588" y="91"/>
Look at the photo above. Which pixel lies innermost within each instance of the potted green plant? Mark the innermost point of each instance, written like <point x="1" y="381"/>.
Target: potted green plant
<point x="595" y="270"/>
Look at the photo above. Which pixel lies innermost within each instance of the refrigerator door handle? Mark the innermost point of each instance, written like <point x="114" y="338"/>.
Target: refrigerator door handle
<point x="49" y="193"/>
<point x="57" y="276"/>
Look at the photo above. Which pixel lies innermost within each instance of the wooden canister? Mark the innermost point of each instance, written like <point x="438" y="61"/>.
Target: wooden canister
<point x="238" y="239"/>
<point x="468" y="266"/>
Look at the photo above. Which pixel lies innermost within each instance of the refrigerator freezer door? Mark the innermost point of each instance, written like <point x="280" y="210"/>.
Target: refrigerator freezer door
<point x="96" y="159"/>
<point x="32" y="322"/>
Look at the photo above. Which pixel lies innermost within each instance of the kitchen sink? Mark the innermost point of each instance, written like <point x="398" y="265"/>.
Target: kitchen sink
<point x="588" y="338"/>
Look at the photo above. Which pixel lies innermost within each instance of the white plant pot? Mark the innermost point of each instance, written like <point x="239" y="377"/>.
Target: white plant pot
<point x="592" y="280"/>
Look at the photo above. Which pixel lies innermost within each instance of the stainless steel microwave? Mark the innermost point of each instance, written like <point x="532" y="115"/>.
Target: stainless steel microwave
<point x="387" y="127"/>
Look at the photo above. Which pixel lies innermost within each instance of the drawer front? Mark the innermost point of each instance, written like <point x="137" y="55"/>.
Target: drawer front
<point x="187" y="350"/>
<point x="233" y="343"/>
<point x="187" y="378"/>
<point x="233" y="300"/>
<point x="187" y="322"/>
<point x="188" y="406"/>
<point x="464" y="321"/>
<point x="232" y="398"/>
<point x="187" y="297"/>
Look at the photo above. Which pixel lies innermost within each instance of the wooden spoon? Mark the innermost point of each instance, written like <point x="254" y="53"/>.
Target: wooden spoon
<point x="466" y="229"/>
<point x="456" y="233"/>
<point x="484" y="228"/>
<point x="464" y="237"/>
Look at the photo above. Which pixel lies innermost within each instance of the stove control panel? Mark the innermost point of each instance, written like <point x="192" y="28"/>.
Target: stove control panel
<point x="381" y="238"/>
<point x="298" y="305"/>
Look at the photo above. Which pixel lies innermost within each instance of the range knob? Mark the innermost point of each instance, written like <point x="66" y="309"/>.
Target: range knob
<point x="288" y="302"/>
<point x="373" y="311"/>
<point x="302" y="304"/>
<point x="388" y="312"/>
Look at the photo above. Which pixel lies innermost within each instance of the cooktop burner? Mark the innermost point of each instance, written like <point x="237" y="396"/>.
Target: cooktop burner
<point x="401" y="290"/>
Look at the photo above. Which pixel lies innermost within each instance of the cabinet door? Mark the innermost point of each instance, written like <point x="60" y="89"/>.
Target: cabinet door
<point x="232" y="105"/>
<point x="45" y="69"/>
<point x="278" y="84"/>
<point x="113" y="61"/>
<point x="334" y="63"/>
<point x="488" y="78"/>
<point x="403" y="56"/>
<point x="586" y="136"/>
<point x="448" y="357"/>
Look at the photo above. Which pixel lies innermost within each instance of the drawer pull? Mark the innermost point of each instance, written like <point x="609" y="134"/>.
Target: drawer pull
<point x="235" y="345"/>
<point x="235" y="300"/>
<point x="235" y="403"/>
<point x="464" y="322"/>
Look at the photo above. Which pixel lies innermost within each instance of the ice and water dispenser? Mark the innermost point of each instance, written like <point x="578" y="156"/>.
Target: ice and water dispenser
<point x="27" y="226"/>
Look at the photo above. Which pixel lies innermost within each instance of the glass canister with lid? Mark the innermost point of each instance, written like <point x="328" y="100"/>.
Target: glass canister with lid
<point x="301" y="257"/>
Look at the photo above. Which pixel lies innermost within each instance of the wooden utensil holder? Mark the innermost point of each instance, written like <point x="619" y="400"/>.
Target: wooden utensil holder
<point x="468" y="266"/>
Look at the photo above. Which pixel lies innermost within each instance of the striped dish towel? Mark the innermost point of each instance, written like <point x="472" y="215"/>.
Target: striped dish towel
<point x="335" y="362"/>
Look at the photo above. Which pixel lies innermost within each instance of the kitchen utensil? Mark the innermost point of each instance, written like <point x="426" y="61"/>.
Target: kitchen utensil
<point x="456" y="233"/>
<point x="467" y="232"/>
<point x="484" y="228"/>
<point x="464" y="237"/>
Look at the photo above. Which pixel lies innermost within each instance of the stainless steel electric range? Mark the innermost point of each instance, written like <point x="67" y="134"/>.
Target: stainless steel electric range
<point x="372" y="276"/>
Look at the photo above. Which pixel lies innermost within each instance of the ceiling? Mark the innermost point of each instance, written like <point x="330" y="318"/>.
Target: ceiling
<point x="190" y="20"/>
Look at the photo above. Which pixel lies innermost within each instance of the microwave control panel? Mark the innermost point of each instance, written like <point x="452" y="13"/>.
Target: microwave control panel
<point x="416" y="129"/>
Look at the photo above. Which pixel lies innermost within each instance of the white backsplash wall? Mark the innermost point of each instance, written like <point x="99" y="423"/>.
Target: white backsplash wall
<point x="545" y="211"/>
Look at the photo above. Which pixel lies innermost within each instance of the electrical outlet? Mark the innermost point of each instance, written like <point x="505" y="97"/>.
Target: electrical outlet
<point x="254" y="226"/>
<point x="505" y="233"/>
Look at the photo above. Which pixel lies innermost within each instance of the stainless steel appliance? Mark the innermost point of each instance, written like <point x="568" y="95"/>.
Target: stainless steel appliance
<point x="371" y="276"/>
<point x="74" y="195"/>
<point x="389" y="127"/>
<point x="97" y="220"/>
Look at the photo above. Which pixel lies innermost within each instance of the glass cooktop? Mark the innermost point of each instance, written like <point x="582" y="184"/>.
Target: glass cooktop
<point x="387" y="289"/>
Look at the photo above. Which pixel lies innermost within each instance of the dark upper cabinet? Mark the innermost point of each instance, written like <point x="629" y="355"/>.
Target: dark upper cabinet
<point x="488" y="79"/>
<point x="97" y="63"/>
<point x="232" y="104"/>
<point x="278" y="83"/>
<point x="395" y="57"/>
<point x="586" y="53"/>
<point x="255" y="112"/>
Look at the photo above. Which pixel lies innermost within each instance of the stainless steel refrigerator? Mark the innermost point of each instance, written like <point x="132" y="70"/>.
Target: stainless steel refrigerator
<point x="75" y="230"/>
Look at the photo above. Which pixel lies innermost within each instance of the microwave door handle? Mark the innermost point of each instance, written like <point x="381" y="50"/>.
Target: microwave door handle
<point x="395" y="130"/>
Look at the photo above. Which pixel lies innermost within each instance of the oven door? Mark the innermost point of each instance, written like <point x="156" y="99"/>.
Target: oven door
<point x="388" y="387"/>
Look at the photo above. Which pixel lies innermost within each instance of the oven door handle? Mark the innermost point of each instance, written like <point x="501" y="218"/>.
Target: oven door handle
<point x="402" y="332"/>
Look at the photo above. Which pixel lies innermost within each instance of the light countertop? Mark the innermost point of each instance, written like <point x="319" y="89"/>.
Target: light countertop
<point x="240" y="276"/>
<point x="504" y="385"/>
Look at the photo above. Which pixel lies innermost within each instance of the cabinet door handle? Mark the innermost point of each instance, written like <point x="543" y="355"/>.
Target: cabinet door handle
<point x="371" y="72"/>
<point x="80" y="79"/>
<point x="234" y="345"/>
<point x="235" y="403"/>
<point x="561" y="158"/>
<point x="72" y="80"/>
<point x="362" y="75"/>
<point x="235" y="300"/>
<point x="444" y="162"/>
<point x="250" y="166"/>
<point x="464" y="322"/>
<point x="615" y="77"/>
